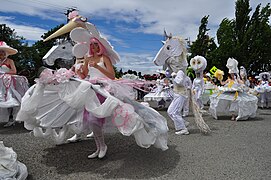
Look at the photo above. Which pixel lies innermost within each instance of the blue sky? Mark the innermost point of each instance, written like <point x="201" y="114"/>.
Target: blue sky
<point x="134" y="27"/>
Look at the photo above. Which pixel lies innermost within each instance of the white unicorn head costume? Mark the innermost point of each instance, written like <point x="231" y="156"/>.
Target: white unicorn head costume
<point x="198" y="63"/>
<point x="232" y="65"/>
<point x="173" y="54"/>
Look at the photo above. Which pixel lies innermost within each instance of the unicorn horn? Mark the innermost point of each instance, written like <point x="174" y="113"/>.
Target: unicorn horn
<point x="65" y="29"/>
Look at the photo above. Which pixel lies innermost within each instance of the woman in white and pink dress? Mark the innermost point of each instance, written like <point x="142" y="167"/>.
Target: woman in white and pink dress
<point x="12" y="87"/>
<point x="59" y="104"/>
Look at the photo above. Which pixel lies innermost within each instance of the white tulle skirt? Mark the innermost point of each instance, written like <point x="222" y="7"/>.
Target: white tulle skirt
<point x="227" y="103"/>
<point x="11" y="168"/>
<point x="12" y="89"/>
<point x="54" y="110"/>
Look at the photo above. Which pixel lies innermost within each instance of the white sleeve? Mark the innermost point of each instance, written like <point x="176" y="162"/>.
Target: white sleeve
<point x="180" y="77"/>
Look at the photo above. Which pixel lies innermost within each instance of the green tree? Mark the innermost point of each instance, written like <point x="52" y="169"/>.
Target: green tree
<point x="21" y="59"/>
<point x="204" y="44"/>
<point x="245" y="38"/>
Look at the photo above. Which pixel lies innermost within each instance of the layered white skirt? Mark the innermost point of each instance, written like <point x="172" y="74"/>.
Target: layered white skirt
<point x="54" y="110"/>
<point x="227" y="103"/>
<point x="12" y="89"/>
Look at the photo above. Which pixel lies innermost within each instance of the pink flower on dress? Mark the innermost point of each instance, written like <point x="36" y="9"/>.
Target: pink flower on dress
<point x="46" y="76"/>
<point x="63" y="75"/>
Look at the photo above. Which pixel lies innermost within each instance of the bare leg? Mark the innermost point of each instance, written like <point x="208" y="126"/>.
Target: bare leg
<point x="11" y="121"/>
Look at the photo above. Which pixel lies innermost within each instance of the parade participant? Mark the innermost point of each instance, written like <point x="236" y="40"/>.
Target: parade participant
<point x="161" y="94"/>
<point x="7" y="65"/>
<point x="232" y="98"/>
<point x="198" y="63"/>
<point x="97" y="65"/>
<point x="55" y="105"/>
<point x="173" y="54"/>
<point x="10" y="92"/>
<point x="264" y="89"/>
<point x="243" y="76"/>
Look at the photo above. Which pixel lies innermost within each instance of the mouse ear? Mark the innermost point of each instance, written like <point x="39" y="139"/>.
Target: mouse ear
<point x="93" y="30"/>
<point x="80" y="50"/>
<point x="80" y="35"/>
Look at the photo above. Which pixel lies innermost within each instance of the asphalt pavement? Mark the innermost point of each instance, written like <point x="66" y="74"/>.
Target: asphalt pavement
<point x="234" y="150"/>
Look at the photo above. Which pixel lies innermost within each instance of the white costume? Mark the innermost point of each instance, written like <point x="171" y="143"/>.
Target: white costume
<point x="10" y="167"/>
<point x="173" y="55"/>
<point x="198" y="63"/>
<point x="232" y="99"/>
<point x="162" y="93"/>
<point x="57" y="103"/>
<point x="264" y="89"/>
<point x="12" y="89"/>
<point x="178" y="103"/>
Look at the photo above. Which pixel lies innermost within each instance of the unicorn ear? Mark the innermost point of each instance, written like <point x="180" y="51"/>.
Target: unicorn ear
<point x="80" y="50"/>
<point x="80" y="35"/>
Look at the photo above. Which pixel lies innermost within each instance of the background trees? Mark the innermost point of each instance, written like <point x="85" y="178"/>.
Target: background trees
<point x="245" y="38"/>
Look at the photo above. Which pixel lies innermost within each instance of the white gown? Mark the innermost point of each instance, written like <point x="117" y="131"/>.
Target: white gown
<point x="234" y="100"/>
<point x="264" y="91"/>
<point x="54" y="108"/>
<point x="161" y="92"/>
<point x="12" y="89"/>
<point x="11" y="168"/>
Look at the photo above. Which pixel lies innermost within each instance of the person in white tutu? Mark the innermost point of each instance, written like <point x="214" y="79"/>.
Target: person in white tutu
<point x="56" y="104"/>
<point x="232" y="97"/>
<point x="12" y="87"/>
<point x="264" y="89"/>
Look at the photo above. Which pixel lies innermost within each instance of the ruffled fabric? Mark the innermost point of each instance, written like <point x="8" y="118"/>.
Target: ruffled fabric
<point x="10" y="168"/>
<point x="225" y="103"/>
<point x="54" y="110"/>
<point x="12" y="89"/>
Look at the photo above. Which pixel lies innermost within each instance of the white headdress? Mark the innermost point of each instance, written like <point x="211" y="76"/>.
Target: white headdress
<point x="232" y="65"/>
<point x="198" y="63"/>
<point x="264" y="76"/>
<point x="83" y="38"/>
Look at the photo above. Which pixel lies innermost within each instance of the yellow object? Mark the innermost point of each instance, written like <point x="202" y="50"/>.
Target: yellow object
<point x="219" y="74"/>
<point x="218" y="94"/>
<point x="230" y="83"/>
<point x="213" y="70"/>
<point x="235" y="95"/>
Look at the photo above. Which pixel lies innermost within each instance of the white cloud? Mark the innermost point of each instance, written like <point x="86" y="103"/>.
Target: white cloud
<point x="137" y="62"/>
<point x="28" y="32"/>
<point x="179" y="17"/>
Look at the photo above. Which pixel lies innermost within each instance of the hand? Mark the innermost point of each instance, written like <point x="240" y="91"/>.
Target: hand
<point x="92" y="64"/>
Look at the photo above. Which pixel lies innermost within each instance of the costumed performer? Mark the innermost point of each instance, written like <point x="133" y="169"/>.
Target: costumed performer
<point x="71" y="96"/>
<point x="198" y="63"/>
<point x="12" y="87"/>
<point x="232" y="98"/>
<point x="173" y="54"/>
